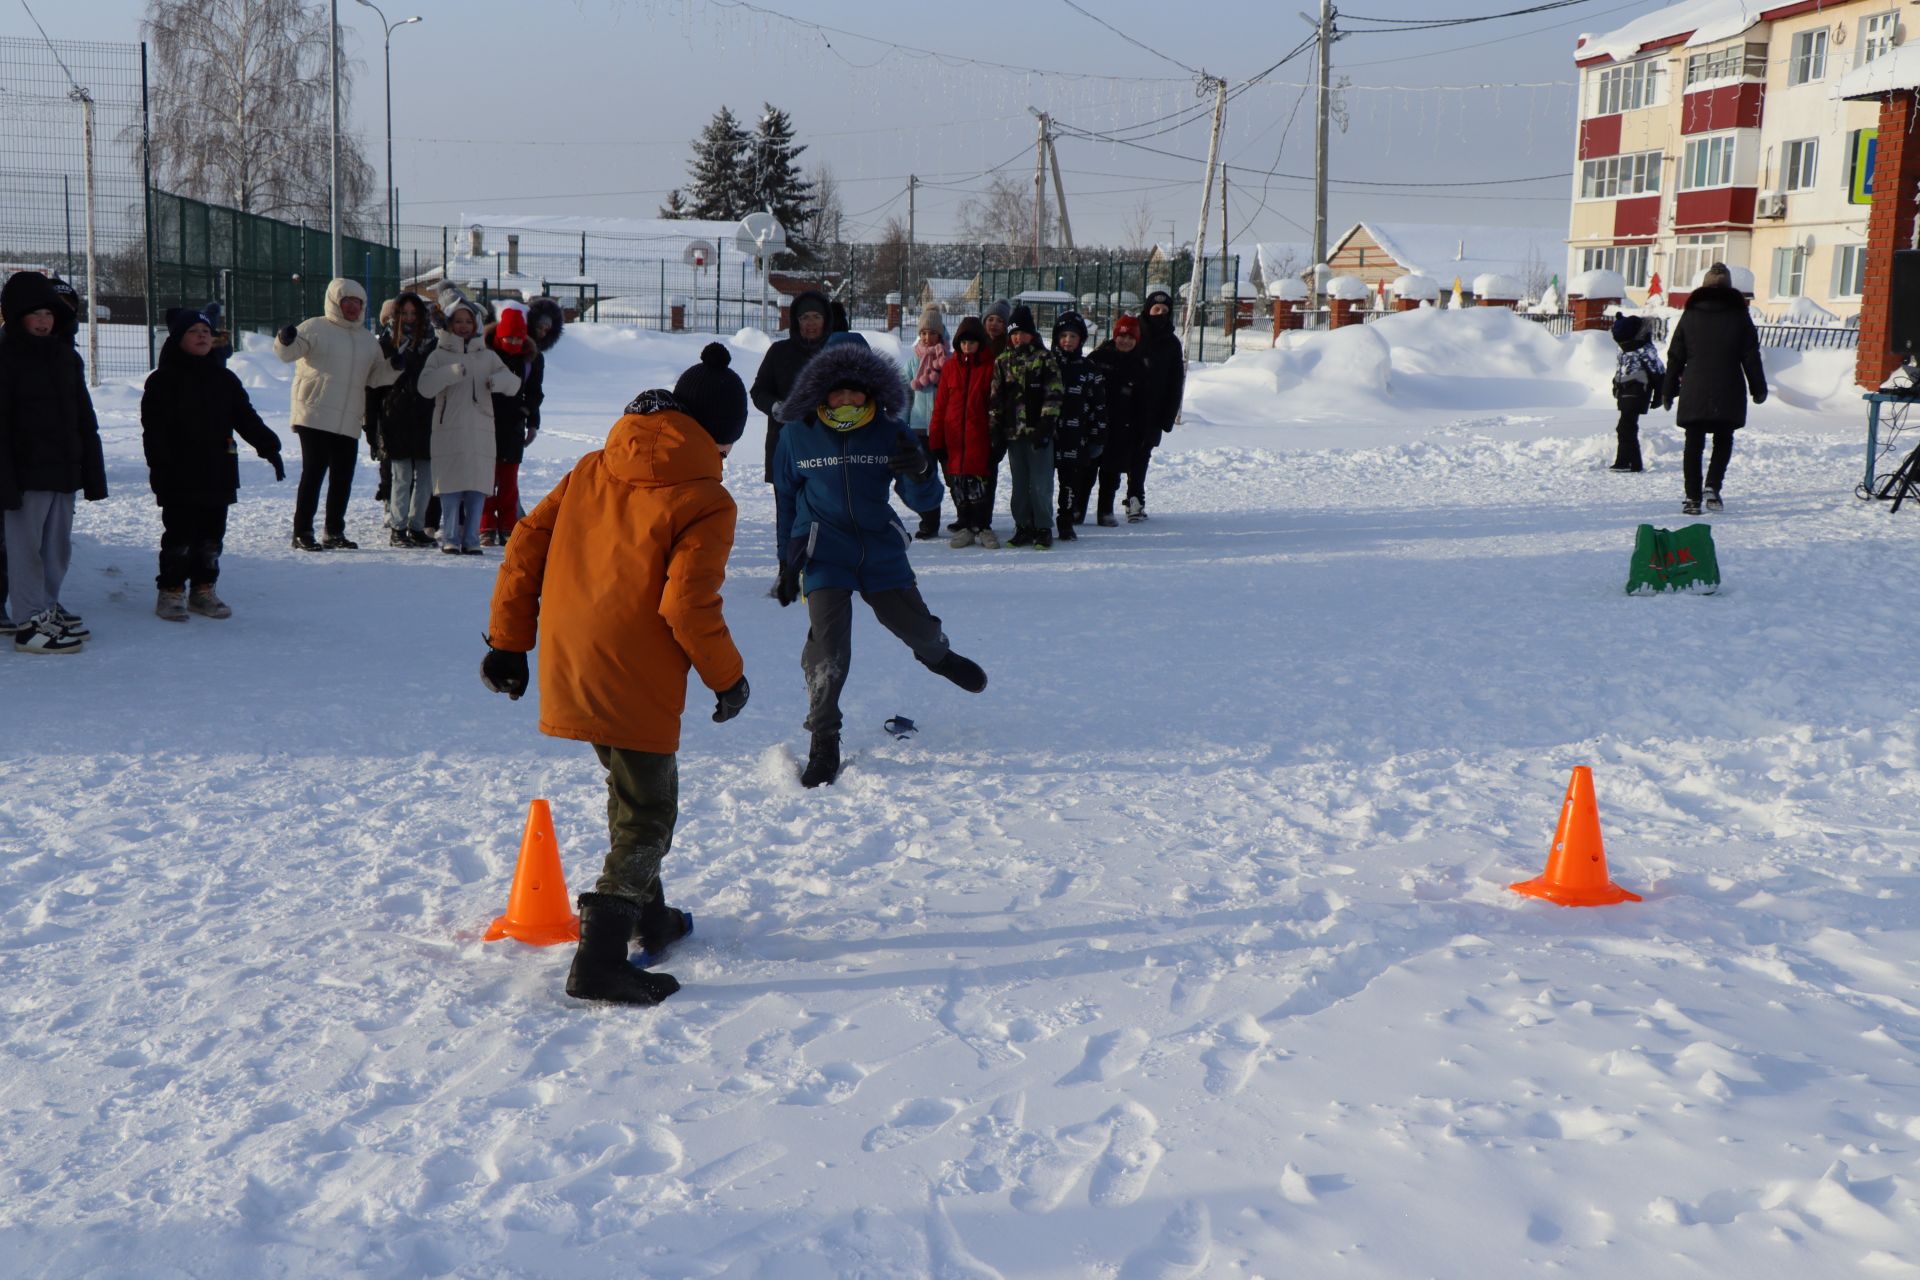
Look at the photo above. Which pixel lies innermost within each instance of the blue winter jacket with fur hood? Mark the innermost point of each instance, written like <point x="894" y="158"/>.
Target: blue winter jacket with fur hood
<point x="830" y="487"/>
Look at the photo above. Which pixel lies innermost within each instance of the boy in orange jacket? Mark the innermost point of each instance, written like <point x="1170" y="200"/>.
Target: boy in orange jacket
<point x="617" y="573"/>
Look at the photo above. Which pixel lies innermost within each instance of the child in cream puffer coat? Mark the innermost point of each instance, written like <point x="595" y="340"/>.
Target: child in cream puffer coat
<point x="462" y="376"/>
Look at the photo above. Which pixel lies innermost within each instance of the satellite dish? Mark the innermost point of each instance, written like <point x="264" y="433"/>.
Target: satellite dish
<point x="761" y="235"/>
<point x="698" y="253"/>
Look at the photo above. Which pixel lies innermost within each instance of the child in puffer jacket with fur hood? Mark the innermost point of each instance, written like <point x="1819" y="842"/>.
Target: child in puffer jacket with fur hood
<point x="461" y="377"/>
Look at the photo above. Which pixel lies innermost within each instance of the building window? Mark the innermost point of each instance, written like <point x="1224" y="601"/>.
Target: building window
<point x="1626" y="87"/>
<point x="1694" y="254"/>
<point x="1736" y="61"/>
<point x="1789" y="272"/>
<point x="1613" y="176"/>
<point x="1849" y="270"/>
<point x="1630" y="260"/>
<point x="1809" y="60"/>
<point x="1877" y="35"/>
<point x="1798" y="164"/>
<point x="1708" y="162"/>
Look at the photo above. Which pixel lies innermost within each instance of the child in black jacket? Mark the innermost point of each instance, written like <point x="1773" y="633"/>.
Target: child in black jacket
<point x="49" y="451"/>
<point x="1637" y="382"/>
<point x="1082" y="431"/>
<point x="192" y="409"/>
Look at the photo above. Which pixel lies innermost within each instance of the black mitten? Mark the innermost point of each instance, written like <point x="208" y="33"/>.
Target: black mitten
<point x="727" y="702"/>
<point x="789" y="589"/>
<point x="907" y="459"/>
<point x="504" y="671"/>
<point x="288" y="336"/>
<point x="279" y="467"/>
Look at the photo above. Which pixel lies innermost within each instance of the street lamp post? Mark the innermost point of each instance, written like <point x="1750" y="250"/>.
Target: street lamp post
<point x="392" y="213"/>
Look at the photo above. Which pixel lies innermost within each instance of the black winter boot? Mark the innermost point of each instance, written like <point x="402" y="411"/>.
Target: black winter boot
<point x="964" y="672"/>
<point x="601" y="970"/>
<point x="1065" y="525"/>
<point x="929" y="526"/>
<point x="1022" y="537"/>
<point x="823" y="760"/>
<point x="658" y="926"/>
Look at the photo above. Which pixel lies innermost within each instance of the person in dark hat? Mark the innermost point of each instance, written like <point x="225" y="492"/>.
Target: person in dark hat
<point x="1638" y="378"/>
<point x="191" y="410"/>
<point x="808" y="323"/>
<point x="840" y="535"/>
<point x="1163" y="383"/>
<point x="1119" y="357"/>
<point x="49" y="451"/>
<point x="617" y="575"/>
<point x="1713" y="367"/>
<point x="1081" y="435"/>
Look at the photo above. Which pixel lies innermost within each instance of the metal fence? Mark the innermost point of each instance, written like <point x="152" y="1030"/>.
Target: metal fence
<point x="49" y="95"/>
<point x="265" y="272"/>
<point x="1102" y="289"/>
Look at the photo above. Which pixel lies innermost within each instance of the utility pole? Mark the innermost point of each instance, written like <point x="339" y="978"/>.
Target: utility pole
<point x="1059" y="189"/>
<point x="333" y="80"/>
<point x="93" y="277"/>
<point x="912" y="182"/>
<point x="1039" y="185"/>
<point x="1323" y="113"/>
<point x="1206" y="206"/>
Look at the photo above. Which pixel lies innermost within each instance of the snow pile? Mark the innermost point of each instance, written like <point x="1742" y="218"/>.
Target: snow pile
<point x="1287" y="288"/>
<point x="1806" y="311"/>
<point x="1348" y="289"/>
<point x="1598" y="283"/>
<point x="1497" y="287"/>
<point x="1701" y="21"/>
<point x="1416" y="286"/>
<point x="1888" y="73"/>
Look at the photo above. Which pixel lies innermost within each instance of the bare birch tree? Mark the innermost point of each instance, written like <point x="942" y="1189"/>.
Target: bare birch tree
<point x="241" y="109"/>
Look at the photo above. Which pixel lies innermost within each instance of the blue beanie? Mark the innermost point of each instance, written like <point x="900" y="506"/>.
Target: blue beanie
<point x="181" y="319"/>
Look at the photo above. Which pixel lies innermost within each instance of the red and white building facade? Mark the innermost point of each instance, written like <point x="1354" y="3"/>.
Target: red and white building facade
<point x="1710" y="131"/>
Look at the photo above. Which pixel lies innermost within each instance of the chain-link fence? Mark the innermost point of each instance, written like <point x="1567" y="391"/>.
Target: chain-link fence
<point x="1103" y="289"/>
<point x="264" y="272"/>
<point x="52" y="97"/>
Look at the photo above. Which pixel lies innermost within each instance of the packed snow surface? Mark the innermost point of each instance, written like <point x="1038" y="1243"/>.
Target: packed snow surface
<point x="1183" y="950"/>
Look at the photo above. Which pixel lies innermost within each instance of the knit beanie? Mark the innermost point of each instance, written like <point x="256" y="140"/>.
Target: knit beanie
<point x="1127" y="327"/>
<point x="1160" y="295"/>
<point x="1069" y="322"/>
<point x="511" y="333"/>
<point x="970" y="330"/>
<point x="713" y="394"/>
<point x="1002" y="308"/>
<point x="181" y="319"/>
<point x="932" y="318"/>
<point x="1021" y="321"/>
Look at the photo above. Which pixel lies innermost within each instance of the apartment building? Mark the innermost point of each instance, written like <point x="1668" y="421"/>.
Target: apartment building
<point x="1709" y="131"/>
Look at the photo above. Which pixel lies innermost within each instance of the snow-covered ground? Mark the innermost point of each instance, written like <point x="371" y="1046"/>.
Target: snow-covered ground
<point x="1184" y="950"/>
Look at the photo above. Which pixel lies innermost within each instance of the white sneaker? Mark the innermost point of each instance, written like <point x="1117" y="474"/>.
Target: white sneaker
<point x="1713" y="502"/>
<point x="42" y="634"/>
<point x="71" y="623"/>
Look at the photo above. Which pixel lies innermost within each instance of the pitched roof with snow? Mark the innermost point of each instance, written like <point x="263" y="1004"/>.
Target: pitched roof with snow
<point x="1447" y="252"/>
<point x="1688" y="23"/>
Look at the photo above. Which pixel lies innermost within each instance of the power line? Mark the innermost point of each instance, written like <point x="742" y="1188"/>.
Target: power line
<point x="1428" y="55"/>
<point x="1164" y="57"/>
<point x="1428" y="24"/>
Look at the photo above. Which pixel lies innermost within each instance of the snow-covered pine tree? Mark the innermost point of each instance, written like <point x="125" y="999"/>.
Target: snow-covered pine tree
<point x="676" y="205"/>
<point x="775" y="182"/>
<point x="718" y="174"/>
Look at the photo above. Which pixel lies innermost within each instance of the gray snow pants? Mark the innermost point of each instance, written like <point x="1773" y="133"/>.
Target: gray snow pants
<point x="829" y="648"/>
<point x="1030" y="466"/>
<point x="39" y="545"/>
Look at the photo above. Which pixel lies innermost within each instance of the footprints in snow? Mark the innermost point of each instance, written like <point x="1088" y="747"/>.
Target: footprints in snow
<point x="1119" y="1149"/>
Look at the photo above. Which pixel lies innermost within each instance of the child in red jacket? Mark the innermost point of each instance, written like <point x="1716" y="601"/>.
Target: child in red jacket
<point x="959" y="434"/>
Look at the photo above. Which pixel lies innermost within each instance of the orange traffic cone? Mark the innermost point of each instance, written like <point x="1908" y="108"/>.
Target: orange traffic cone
<point x="1576" y="874"/>
<point x="539" y="908"/>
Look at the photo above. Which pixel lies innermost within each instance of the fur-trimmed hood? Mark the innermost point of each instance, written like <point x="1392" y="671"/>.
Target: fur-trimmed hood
<point x="545" y="309"/>
<point x="843" y="362"/>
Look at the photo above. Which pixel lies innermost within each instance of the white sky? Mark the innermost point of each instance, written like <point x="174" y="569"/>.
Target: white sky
<point x="588" y="105"/>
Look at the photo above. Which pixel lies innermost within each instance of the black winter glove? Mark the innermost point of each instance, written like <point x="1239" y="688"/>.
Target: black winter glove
<point x="1760" y="396"/>
<point x="504" y="671"/>
<point x="727" y="702"/>
<point x="907" y="459"/>
<point x="279" y="467"/>
<point x="288" y="336"/>
<point x="789" y="589"/>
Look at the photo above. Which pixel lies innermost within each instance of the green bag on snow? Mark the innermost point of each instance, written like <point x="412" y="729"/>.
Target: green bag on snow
<point x="1673" y="560"/>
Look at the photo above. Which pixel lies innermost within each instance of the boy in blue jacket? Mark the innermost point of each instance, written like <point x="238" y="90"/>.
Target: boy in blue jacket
<point x="838" y="533"/>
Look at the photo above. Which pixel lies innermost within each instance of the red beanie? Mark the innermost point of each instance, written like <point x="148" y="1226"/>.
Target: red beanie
<point x="1127" y="327"/>
<point x="511" y="332"/>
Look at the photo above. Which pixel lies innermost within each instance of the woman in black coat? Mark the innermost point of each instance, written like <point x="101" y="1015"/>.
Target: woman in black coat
<point x="406" y="424"/>
<point x="192" y="409"/>
<point x="1713" y="365"/>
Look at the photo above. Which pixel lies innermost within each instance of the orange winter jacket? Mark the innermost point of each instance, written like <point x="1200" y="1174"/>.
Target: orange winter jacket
<point x="618" y="574"/>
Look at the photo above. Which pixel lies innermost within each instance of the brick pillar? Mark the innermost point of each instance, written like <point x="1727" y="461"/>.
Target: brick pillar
<point x="677" y="314"/>
<point x="786" y="317"/>
<point x="1343" y="312"/>
<point x="1286" y="316"/>
<point x="1510" y="304"/>
<point x="1896" y="172"/>
<point x="1406" y="304"/>
<point x="894" y="309"/>
<point x="1590" y="313"/>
